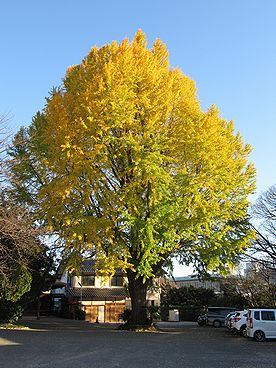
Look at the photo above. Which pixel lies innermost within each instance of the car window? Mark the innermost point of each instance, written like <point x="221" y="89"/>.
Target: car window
<point x="215" y="311"/>
<point x="257" y="315"/>
<point x="219" y="311"/>
<point x="268" y="316"/>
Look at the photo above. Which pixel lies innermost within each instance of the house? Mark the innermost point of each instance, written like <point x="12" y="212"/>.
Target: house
<point x="102" y="299"/>
<point x="194" y="281"/>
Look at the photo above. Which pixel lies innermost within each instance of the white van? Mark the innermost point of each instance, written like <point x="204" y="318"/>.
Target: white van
<point x="261" y="324"/>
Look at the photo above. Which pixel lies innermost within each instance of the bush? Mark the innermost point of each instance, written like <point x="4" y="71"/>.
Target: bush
<point x="71" y="311"/>
<point x="79" y="312"/>
<point x="125" y="316"/>
<point x="10" y="312"/>
<point x="153" y="313"/>
<point x="188" y="300"/>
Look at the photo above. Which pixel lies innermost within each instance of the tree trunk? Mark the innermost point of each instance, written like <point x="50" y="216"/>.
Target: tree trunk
<point x="38" y="307"/>
<point x="138" y="295"/>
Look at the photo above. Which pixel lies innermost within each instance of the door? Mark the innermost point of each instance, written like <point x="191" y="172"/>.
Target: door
<point x="91" y="313"/>
<point x="101" y="317"/>
<point x="268" y="322"/>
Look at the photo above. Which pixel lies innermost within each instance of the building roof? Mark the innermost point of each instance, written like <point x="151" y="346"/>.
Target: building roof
<point x="97" y="293"/>
<point x="187" y="278"/>
<point x="195" y="278"/>
<point x="88" y="266"/>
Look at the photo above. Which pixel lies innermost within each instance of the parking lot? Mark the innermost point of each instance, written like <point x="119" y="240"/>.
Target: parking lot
<point x="53" y="342"/>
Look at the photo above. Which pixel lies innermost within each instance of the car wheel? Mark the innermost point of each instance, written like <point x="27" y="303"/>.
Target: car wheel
<point x="216" y="323"/>
<point x="243" y="331"/>
<point x="259" y="335"/>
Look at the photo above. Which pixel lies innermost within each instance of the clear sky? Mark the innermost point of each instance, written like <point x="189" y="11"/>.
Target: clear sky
<point x="227" y="46"/>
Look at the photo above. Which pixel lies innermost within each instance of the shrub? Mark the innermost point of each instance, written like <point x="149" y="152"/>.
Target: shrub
<point x="9" y="311"/>
<point x="125" y="316"/>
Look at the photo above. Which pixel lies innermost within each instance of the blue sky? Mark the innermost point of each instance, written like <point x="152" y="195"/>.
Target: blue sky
<point x="227" y="46"/>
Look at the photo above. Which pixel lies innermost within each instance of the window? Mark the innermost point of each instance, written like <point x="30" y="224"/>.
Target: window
<point x="268" y="316"/>
<point x="117" y="281"/>
<point x="221" y="311"/>
<point x="70" y="281"/>
<point x="257" y="315"/>
<point x="88" y="280"/>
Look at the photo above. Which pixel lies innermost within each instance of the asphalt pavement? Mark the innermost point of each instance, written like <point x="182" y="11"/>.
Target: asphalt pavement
<point x="61" y="343"/>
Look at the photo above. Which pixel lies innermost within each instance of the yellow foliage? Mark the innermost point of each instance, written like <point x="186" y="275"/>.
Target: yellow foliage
<point x="138" y="167"/>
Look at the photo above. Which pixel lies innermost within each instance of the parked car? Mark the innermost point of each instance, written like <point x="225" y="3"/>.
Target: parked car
<point x="228" y="320"/>
<point x="216" y="315"/>
<point x="238" y="322"/>
<point x="261" y="324"/>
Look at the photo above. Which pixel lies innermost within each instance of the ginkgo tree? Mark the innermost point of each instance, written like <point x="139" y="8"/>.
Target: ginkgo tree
<point x="124" y="164"/>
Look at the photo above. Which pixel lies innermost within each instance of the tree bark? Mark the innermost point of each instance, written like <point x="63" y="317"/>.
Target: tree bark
<point x="38" y="307"/>
<point x="138" y="295"/>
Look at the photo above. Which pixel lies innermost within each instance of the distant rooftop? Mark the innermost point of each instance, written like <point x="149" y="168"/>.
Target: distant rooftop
<point x="186" y="278"/>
